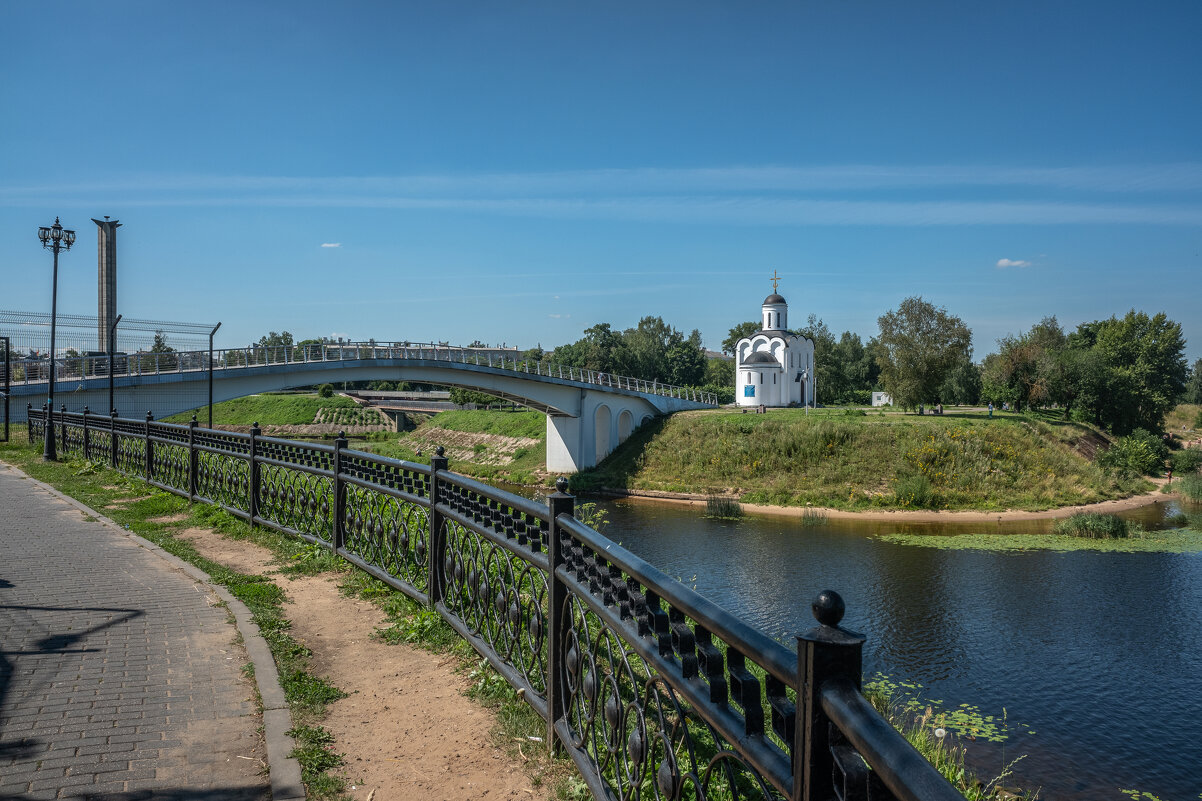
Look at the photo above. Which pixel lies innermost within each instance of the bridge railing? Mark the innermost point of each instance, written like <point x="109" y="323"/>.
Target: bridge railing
<point x="28" y="371"/>
<point x="653" y="690"/>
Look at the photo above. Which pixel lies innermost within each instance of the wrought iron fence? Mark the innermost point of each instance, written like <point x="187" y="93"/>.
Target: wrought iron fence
<point x="653" y="691"/>
<point x="34" y="370"/>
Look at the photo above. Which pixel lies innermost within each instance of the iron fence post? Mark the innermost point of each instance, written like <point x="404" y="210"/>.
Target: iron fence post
<point x="149" y="447"/>
<point x="252" y="502"/>
<point x="339" y="532"/>
<point x="28" y="425"/>
<point x="824" y="652"/>
<point x="87" y="445"/>
<point x="559" y="503"/>
<point x="113" y="438"/>
<point x="211" y="333"/>
<point x="193" y="460"/>
<point x="436" y="579"/>
<point x="62" y="423"/>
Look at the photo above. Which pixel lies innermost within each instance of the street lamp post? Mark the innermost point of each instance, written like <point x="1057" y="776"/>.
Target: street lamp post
<point x="54" y="239"/>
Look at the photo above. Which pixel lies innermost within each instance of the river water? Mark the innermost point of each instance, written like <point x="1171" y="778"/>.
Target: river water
<point x="1095" y="658"/>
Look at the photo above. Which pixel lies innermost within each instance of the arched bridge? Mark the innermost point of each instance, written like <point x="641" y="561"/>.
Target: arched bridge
<point x="588" y="412"/>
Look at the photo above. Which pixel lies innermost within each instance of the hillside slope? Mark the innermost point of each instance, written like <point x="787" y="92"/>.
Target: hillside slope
<point x="855" y="461"/>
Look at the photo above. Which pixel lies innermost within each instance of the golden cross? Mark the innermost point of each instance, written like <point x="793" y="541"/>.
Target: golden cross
<point x="775" y="280"/>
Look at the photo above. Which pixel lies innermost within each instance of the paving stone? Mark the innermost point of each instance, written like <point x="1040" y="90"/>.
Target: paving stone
<point x="100" y="635"/>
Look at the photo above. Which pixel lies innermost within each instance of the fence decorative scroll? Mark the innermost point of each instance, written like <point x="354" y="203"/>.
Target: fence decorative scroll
<point x="653" y="691"/>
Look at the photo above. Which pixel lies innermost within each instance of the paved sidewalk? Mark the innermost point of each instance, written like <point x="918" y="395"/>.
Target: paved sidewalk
<point x="119" y="676"/>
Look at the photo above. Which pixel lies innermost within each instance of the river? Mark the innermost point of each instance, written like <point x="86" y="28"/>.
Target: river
<point x="1095" y="658"/>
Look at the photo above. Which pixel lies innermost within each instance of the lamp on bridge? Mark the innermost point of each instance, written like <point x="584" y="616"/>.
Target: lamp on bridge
<point x="54" y="239"/>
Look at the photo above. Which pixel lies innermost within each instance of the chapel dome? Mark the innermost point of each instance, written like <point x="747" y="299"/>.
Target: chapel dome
<point x="761" y="357"/>
<point x="773" y="299"/>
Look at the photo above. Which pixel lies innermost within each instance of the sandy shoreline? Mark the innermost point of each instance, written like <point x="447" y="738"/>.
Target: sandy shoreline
<point x="911" y="516"/>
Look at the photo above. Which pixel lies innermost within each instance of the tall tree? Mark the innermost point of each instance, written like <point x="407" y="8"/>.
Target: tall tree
<point x="917" y="347"/>
<point x="1145" y="361"/>
<point x="274" y="340"/>
<point x="826" y="371"/>
<point x="739" y="332"/>
<point x="686" y="361"/>
<point x="1025" y="369"/>
<point x="1193" y="387"/>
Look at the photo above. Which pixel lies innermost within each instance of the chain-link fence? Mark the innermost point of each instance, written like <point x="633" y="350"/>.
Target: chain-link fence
<point x="79" y="359"/>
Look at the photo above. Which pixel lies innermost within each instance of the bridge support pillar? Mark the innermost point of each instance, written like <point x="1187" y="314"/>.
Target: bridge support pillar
<point x="565" y="445"/>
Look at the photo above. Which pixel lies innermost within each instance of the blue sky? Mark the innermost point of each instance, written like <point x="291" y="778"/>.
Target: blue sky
<point x="517" y="172"/>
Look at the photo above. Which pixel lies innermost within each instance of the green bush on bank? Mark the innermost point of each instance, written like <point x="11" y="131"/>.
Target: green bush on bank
<point x="1191" y="487"/>
<point x="1186" y="460"/>
<point x="1141" y="453"/>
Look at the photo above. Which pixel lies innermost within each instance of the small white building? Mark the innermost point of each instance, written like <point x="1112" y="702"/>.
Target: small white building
<point x="774" y="367"/>
<point x="882" y="399"/>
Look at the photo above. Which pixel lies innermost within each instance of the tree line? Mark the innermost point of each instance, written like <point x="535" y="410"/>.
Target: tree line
<point x="1120" y="374"/>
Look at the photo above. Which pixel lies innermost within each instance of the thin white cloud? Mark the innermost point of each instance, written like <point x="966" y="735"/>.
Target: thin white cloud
<point x="1179" y="177"/>
<point x="768" y="195"/>
<point x="559" y="316"/>
<point x="1004" y="263"/>
<point x="331" y="244"/>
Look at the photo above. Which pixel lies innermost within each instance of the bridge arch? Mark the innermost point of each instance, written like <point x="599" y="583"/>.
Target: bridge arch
<point x="603" y="429"/>
<point x="625" y="425"/>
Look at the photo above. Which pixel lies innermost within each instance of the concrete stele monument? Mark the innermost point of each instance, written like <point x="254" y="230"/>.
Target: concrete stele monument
<point x="774" y="367"/>
<point x="106" y="291"/>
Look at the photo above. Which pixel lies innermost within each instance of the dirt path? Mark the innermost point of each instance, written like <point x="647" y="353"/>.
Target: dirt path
<point x="909" y="515"/>
<point x="406" y="728"/>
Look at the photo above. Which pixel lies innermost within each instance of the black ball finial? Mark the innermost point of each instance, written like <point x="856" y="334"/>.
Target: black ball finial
<point x="194" y="420"/>
<point x="561" y="485"/>
<point x="828" y="608"/>
<point x="439" y="451"/>
<point x="341" y="434"/>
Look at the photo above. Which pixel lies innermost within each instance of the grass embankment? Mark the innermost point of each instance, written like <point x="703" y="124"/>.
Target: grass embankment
<point x="490" y="445"/>
<point x="507" y="446"/>
<point x="849" y="460"/>
<point x="267" y="410"/>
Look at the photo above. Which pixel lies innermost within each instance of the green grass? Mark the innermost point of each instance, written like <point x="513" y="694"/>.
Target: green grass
<point x="1094" y="526"/>
<point x="1182" y="540"/>
<point x="1191" y="487"/>
<point x="936" y="733"/>
<point x="527" y="467"/>
<point x="954" y="461"/>
<point x="266" y="409"/>
<point x="481" y="421"/>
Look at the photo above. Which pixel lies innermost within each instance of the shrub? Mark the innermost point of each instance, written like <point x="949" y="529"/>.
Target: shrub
<point x="1092" y="525"/>
<point x="1187" y="460"/>
<point x="1191" y="487"/>
<point x="1198" y="420"/>
<point x="1139" y="453"/>
<point x="326" y="390"/>
<point x="914" y="492"/>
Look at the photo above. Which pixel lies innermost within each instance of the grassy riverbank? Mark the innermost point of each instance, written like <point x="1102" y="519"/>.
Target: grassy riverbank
<point x="855" y="461"/>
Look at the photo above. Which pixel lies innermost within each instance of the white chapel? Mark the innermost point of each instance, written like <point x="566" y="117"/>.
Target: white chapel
<point x="774" y="367"/>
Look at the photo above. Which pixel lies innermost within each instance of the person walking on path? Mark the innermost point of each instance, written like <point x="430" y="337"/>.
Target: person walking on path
<point x="119" y="673"/>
